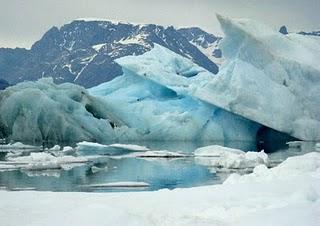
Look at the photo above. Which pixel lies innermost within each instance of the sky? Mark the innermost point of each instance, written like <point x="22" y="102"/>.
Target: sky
<point x="22" y="22"/>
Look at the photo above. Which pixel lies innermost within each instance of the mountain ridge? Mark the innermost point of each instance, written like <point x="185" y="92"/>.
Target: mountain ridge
<point x="83" y="52"/>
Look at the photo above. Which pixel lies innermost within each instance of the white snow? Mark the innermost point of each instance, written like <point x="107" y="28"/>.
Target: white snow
<point x="288" y="194"/>
<point x="137" y="39"/>
<point x="98" y="47"/>
<point x="223" y="157"/>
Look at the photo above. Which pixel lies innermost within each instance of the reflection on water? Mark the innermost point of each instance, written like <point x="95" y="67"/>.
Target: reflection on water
<point x="158" y="173"/>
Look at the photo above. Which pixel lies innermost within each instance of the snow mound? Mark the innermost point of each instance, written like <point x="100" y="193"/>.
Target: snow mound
<point x="264" y="78"/>
<point x="223" y="157"/>
<point x="291" y="167"/>
<point x="43" y="111"/>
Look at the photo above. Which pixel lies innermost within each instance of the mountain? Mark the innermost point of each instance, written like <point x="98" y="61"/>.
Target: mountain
<point x="83" y="51"/>
<point x="205" y="42"/>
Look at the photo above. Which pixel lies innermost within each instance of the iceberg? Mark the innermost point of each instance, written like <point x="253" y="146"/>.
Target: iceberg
<point x="153" y="111"/>
<point x="43" y="111"/>
<point x="264" y="77"/>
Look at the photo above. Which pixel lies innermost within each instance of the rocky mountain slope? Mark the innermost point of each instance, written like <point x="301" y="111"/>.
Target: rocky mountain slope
<point x="83" y="51"/>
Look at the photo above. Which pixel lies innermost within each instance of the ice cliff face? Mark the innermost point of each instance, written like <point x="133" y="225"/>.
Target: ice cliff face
<point x="268" y="78"/>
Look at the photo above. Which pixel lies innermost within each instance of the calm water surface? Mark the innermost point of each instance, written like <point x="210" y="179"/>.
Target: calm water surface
<point x="158" y="173"/>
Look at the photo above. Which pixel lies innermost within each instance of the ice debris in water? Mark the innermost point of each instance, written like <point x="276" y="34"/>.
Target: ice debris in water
<point x="224" y="157"/>
<point x="43" y="161"/>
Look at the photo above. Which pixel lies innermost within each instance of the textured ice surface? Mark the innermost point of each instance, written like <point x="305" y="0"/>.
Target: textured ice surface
<point x="42" y="161"/>
<point x="44" y="111"/>
<point x="269" y="78"/>
<point x="223" y="157"/>
<point x="152" y="111"/>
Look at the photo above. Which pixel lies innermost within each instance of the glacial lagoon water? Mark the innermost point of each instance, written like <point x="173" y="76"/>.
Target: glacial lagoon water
<point x="158" y="173"/>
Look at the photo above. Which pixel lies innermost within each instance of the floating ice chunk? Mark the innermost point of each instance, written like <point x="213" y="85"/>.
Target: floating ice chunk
<point x="44" y="161"/>
<point x="160" y="154"/>
<point x="131" y="147"/>
<point x="294" y="144"/>
<point x="291" y="167"/>
<point x="122" y="184"/>
<point x="55" y="148"/>
<point x="18" y="146"/>
<point x="90" y="148"/>
<point x="95" y="169"/>
<point x="223" y="157"/>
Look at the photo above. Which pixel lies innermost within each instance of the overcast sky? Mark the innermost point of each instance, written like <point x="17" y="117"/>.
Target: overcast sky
<point x="22" y="22"/>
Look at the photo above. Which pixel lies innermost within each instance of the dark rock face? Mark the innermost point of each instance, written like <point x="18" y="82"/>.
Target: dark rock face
<point x="283" y="30"/>
<point x="83" y="52"/>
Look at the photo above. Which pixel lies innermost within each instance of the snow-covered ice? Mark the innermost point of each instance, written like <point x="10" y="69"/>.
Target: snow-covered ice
<point x="288" y="194"/>
<point x="223" y="157"/>
<point x="42" y="161"/>
<point x="18" y="146"/>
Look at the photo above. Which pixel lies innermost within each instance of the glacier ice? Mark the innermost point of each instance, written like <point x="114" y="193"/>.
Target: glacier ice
<point x="152" y="111"/>
<point x="267" y="77"/>
<point x="43" y="111"/>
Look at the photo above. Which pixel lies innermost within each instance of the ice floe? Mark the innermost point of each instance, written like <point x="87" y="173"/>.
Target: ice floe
<point x="223" y="157"/>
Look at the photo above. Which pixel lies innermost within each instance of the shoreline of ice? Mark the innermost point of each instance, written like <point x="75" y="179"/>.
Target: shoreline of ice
<point x="264" y="197"/>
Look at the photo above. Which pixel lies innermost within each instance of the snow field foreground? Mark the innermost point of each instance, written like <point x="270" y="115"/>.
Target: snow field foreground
<point x="288" y="194"/>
